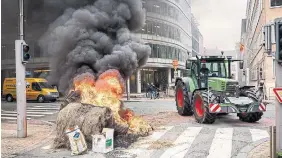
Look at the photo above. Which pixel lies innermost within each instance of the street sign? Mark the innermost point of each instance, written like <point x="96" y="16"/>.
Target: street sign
<point x="278" y="94"/>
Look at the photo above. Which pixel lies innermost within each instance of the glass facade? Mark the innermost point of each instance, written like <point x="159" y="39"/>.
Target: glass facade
<point x="167" y="52"/>
<point x="161" y="29"/>
<point x="171" y="19"/>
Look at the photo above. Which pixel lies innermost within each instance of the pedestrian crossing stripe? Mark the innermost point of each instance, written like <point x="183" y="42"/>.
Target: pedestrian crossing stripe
<point x="17" y="114"/>
<point x="31" y="112"/>
<point x="12" y="118"/>
<point x="258" y="134"/>
<point x="182" y="143"/>
<point x="222" y="143"/>
<point x="218" y="144"/>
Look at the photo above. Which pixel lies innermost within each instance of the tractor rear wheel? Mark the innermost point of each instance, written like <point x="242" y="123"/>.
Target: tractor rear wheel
<point x="255" y="95"/>
<point x="182" y="101"/>
<point x="200" y="108"/>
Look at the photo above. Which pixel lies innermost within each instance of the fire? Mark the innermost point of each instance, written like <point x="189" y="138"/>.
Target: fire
<point x="107" y="91"/>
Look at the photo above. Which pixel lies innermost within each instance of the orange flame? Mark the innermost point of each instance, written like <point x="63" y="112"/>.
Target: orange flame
<point x="106" y="92"/>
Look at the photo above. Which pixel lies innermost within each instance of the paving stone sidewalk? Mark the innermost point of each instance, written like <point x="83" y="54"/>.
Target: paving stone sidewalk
<point x="38" y="133"/>
<point x="260" y="151"/>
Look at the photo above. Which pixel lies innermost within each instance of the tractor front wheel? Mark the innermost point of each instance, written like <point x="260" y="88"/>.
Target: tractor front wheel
<point x="200" y="108"/>
<point x="250" y="117"/>
<point x="182" y="101"/>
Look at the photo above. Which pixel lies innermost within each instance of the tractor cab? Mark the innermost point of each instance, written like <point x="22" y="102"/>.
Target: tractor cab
<point x="205" y="69"/>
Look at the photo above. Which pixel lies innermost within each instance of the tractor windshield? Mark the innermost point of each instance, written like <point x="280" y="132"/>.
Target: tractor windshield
<point x="215" y="68"/>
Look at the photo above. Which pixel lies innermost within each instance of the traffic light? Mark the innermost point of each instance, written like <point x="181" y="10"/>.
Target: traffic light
<point x="279" y="41"/>
<point x="25" y="53"/>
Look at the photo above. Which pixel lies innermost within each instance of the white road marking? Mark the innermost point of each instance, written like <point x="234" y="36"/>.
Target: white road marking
<point x="46" y="110"/>
<point x="142" y="150"/>
<point x="29" y="112"/>
<point x="17" y="114"/>
<point x="47" y="106"/>
<point x="258" y="134"/>
<point x="182" y="143"/>
<point x="51" y="108"/>
<point x="11" y="118"/>
<point x="221" y="146"/>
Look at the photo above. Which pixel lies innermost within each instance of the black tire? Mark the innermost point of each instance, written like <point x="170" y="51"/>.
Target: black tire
<point x="250" y="117"/>
<point x="200" y="107"/>
<point x="257" y="96"/>
<point x="41" y="99"/>
<point x="9" y="98"/>
<point x="182" y="101"/>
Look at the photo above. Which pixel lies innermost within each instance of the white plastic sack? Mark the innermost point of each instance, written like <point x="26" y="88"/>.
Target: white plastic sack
<point x="77" y="141"/>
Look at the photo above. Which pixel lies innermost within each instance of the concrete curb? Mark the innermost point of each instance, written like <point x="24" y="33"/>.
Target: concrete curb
<point x="45" y="140"/>
<point x="243" y="153"/>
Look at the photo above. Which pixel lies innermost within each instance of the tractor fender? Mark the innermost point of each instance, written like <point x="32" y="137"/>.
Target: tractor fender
<point x="199" y="89"/>
<point x="246" y="87"/>
<point x="185" y="82"/>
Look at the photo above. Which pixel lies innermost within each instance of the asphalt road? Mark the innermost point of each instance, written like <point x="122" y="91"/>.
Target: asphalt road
<point x="180" y="136"/>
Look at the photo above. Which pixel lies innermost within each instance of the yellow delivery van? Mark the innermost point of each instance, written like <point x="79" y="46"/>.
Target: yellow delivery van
<point x="36" y="89"/>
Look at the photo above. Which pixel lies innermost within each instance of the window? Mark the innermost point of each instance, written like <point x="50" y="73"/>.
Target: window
<point x="36" y="87"/>
<point x="154" y="51"/>
<point x="275" y="3"/>
<point x="233" y="67"/>
<point x="216" y="69"/>
<point x="44" y="85"/>
<point x="194" y="70"/>
<point x="254" y="74"/>
<point x="273" y="67"/>
<point x="149" y="27"/>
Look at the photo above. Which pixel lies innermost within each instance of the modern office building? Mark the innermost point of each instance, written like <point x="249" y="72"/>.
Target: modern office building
<point x="259" y="65"/>
<point x="170" y="30"/>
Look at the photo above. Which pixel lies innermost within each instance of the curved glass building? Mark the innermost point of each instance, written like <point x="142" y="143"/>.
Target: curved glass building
<point x="172" y="33"/>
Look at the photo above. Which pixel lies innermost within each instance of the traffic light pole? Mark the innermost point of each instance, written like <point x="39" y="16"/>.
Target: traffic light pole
<point x="278" y="74"/>
<point x="21" y="7"/>
<point x="278" y="107"/>
<point x="21" y="91"/>
<point x="20" y="79"/>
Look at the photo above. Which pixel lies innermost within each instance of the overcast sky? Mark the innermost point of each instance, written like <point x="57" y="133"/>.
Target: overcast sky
<point x="220" y="21"/>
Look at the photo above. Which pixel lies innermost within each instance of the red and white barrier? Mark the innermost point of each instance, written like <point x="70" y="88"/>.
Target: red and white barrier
<point x="262" y="107"/>
<point x="215" y="108"/>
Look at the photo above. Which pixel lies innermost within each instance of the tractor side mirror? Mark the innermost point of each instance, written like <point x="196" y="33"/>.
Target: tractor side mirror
<point x="241" y="65"/>
<point x="188" y="64"/>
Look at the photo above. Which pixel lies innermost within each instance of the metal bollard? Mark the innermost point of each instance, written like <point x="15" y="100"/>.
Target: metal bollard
<point x="273" y="153"/>
<point x="270" y="142"/>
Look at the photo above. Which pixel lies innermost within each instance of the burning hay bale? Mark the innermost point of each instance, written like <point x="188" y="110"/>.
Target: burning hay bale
<point x="90" y="119"/>
<point x="99" y="107"/>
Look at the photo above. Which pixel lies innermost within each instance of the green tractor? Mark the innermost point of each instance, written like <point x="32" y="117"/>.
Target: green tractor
<point x="209" y="90"/>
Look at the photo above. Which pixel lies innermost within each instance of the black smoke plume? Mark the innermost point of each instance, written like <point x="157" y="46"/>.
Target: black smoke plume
<point x="95" y="38"/>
